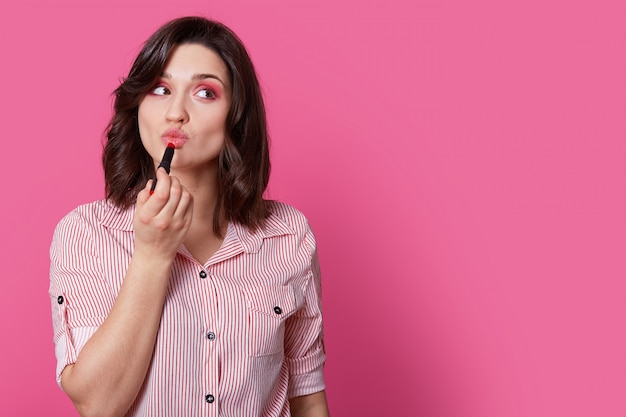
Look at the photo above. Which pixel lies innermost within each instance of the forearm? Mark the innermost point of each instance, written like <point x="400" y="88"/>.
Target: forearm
<point x="111" y="368"/>
<point x="313" y="405"/>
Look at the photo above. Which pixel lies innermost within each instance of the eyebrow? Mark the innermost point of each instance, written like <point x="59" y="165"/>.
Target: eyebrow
<point x="197" y="77"/>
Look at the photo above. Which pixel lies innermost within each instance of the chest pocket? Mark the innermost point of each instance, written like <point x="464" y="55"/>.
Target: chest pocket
<point x="268" y="308"/>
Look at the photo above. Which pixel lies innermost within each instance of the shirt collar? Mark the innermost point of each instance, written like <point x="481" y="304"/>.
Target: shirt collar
<point x="122" y="219"/>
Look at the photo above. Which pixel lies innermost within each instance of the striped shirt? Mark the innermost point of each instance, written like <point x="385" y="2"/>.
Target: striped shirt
<point x="239" y="335"/>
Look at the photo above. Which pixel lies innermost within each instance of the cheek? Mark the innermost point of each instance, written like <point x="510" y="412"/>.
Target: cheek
<point x="217" y="120"/>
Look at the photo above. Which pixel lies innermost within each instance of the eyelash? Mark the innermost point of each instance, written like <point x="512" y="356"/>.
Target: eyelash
<point x="154" y="90"/>
<point x="211" y="94"/>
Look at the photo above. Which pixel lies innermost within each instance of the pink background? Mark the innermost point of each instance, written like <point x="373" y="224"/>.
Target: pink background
<point x="462" y="164"/>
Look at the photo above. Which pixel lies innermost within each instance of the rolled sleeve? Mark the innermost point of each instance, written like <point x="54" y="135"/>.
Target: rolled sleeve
<point x="79" y="297"/>
<point x="304" y="347"/>
<point x="63" y="346"/>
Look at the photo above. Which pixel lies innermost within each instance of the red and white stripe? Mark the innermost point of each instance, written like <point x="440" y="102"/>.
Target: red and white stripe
<point x="249" y="334"/>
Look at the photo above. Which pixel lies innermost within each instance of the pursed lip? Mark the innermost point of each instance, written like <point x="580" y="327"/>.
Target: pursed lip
<point x="175" y="136"/>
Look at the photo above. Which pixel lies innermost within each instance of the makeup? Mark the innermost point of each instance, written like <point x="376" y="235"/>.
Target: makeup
<point x="165" y="162"/>
<point x="209" y="91"/>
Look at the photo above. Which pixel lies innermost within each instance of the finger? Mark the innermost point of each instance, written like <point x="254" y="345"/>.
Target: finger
<point x="159" y="198"/>
<point x="144" y="194"/>
<point x="184" y="209"/>
<point x="174" y="195"/>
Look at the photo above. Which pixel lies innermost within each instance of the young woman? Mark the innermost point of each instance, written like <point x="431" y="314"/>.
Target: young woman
<point x="198" y="298"/>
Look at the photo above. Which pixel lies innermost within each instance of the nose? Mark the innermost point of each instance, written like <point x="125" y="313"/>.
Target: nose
<point x="177" y="110"/>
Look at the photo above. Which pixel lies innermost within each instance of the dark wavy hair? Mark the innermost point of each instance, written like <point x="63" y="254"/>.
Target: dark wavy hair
<point x="244" y="164"/>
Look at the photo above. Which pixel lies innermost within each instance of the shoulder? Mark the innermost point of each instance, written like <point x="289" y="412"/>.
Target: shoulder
<point x="88" y="217"/>
<point x="74" y="235"/>
<point x="290" y="220"/>
<point x="85" y="214"/>
<point x="288" y="215"/>
<point x="80" y="217"/>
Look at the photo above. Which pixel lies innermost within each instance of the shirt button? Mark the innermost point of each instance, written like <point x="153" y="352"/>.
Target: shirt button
<point x="209" y="398"/>
<point x="210" y="336"/>
<point x="202" y="274"/>
<point x="60" y="299"/>
<point x="277" y="310"/>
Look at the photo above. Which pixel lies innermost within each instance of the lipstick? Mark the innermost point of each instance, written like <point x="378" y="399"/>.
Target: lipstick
<point x="165" y="162"/>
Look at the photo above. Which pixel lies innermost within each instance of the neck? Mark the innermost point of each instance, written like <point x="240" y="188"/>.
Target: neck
<point x="203" y="187"/>
<point x="201" y="241"/>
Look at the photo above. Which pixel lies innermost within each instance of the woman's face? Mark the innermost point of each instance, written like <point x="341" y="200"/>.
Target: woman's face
<point x="188" y="106"/>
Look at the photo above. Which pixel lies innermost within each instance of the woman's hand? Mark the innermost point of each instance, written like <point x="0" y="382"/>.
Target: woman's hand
<point x="162" y="219"/>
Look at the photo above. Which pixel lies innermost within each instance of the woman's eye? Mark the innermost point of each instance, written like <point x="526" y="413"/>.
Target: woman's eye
<point x="160" y="90"/>
<point x="206" y="93"/>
